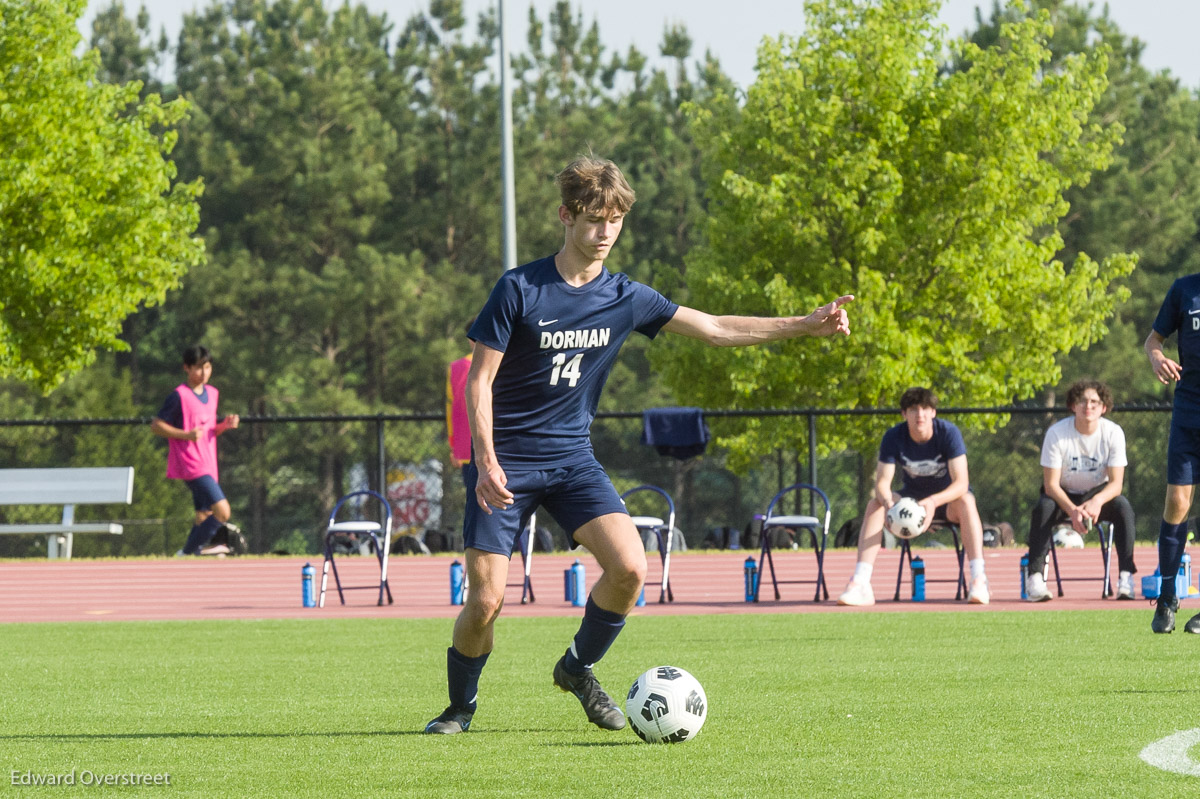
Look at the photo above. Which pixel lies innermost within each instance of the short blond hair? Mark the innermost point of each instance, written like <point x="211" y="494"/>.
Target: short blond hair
<point x="594" y="185"/>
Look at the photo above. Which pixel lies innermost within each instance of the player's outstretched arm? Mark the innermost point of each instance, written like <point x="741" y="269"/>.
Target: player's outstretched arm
<point x="1166" y="370"/>
<point x="740" y="331"/>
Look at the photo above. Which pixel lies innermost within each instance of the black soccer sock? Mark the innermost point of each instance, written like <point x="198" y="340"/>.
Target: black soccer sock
<point x="201" y="534"/>
<point x="462" y="677"/>
<point x="596" y="634"/>
<point x="1172" y="538"/>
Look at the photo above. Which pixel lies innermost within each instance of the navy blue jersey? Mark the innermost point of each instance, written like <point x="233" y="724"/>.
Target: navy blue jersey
<point x="924" y="467"/>
<point x="559" y="344"/>
<point x="1180" y="313"/>
<point x="171" y="411"/>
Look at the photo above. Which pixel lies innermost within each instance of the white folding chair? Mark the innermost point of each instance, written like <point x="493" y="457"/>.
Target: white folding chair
<point x="381" y="536"/>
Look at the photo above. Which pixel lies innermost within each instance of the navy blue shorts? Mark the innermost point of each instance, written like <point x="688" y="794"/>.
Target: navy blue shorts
<point x="1183" y="456"/>
<point x="205" y="492"/>
<point x="939" y="515"/>
<point x="573" y="496"/>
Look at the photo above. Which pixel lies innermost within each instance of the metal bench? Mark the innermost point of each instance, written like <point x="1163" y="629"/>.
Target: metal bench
<point x="66" y="487"/>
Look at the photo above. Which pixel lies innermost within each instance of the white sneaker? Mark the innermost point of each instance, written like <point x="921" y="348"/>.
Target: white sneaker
<point x="857" y="595"/>
<point x="1035" y="587"/>
<point x="978" y="594"/>
<point x="1125" y="586"/>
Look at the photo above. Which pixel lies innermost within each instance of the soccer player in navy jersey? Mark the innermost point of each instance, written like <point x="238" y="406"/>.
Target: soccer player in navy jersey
<point x="544" y="344"/>
<point x="932" y="459"/>
<point x="1180" y="313"/>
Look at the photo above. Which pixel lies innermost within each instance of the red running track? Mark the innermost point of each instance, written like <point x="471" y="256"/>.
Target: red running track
<point x="269" y="588"/>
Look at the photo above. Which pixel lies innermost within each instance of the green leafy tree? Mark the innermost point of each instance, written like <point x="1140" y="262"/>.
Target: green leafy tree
<point x="1145" y="201"/>
<point x="92" y="222"/>
<point x="858" y="165"/>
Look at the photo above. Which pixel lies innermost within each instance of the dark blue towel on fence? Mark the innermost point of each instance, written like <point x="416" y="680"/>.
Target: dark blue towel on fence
<point x="677" y="432"/>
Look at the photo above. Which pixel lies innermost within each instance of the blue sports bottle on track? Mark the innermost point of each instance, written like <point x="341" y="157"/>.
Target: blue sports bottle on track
<point x="456" y="583"/>
<point x="750" y="574"/>
<point x="574" y="584"/>
<point x="308" y="589"/>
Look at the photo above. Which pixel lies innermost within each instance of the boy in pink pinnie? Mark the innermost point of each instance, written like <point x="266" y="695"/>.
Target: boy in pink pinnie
<point x="188" y="420"/>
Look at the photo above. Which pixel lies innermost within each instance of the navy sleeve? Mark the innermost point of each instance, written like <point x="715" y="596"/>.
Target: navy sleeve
<point x="952" y="444"/>
<point x="651" y="310"/>
<point x="1167" y="321"/>
<point x="889" y="448"/>
<point x="171" y="411"/>
<point x="494" y="325"/>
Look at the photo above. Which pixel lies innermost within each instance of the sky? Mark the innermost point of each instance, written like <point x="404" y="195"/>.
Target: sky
<point x="1166" y="26"/>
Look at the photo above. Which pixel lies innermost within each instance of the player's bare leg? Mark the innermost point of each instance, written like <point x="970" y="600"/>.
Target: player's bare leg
<point x="858" y="591"/>
<point x="964" y="513"/>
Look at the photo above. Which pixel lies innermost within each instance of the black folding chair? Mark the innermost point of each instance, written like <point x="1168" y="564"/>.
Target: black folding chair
<point x="664" y="532"/>
<point x="380" y="535"/>
<point x="811" y="524"/>
<point x="960" y="588"/>
<point x="1105" y="530"/>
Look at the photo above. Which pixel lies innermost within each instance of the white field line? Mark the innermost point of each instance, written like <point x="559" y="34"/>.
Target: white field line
<point x="1171" y="753"/>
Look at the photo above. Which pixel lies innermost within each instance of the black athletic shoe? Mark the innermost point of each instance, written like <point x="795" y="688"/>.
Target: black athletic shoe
<point x="452" y="720"/>
<point x="1193" y="625"/>
<point x="600" y="709"/>
<point x="1164" y="615"/>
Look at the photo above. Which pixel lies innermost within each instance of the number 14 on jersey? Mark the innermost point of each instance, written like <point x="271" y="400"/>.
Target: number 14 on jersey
<point x="569" y="371"/>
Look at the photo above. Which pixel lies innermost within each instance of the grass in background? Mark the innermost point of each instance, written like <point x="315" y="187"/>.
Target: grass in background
<point x="1055" y="704"/>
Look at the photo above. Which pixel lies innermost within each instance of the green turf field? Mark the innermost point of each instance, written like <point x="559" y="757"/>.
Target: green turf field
<point x="1055" y="704"/>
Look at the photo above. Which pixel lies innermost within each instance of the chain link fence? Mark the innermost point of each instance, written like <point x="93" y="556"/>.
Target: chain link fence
<point x="283" y="474"/>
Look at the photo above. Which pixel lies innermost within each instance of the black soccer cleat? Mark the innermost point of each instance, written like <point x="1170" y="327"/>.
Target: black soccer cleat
<point x="600" y="709"/>
<point x="1193" y="625"/>
<point x="453" y="720"/>
<point x="1164" y="615"/>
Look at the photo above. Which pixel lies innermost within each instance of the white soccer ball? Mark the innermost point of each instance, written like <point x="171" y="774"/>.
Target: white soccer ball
<point x="1066" y="538"/>
<point x="904" y="519"/>
<point x="666" y="705"/>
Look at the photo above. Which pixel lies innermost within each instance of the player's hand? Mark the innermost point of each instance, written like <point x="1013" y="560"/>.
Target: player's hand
<point x="490" y="491"/>
<point x="192" y="435"/>
<point x="930" y="509"/>
<point x="831" y="319"/>
<point x="1167" y="371"/>
<point x="1090" y="511"/>
<point x="232" y="421"/>
<point x="1080" y="520"/>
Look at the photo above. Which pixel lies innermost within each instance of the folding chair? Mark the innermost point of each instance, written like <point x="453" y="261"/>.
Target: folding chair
<point x="664" y="532"/>
<point x="960" y="588"/>
<point x="381" y="537"/>
<point x="525" y="542"/>
<point x="1105" y="530"/>
<point x="810" y="523"/>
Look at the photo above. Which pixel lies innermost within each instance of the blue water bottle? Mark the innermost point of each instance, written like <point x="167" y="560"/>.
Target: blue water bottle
<point x="1183" y="581"/>
<point x="308" y="589"/>
<point x="456" y="583"/>
<point x="1024" y="575"/>
<point x="574" y="583"/>
<point x="918" y="579"/>
<point x="750" y="573"/>
<point x="641" y="600"/>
